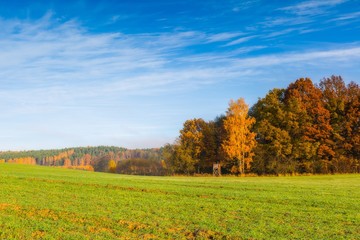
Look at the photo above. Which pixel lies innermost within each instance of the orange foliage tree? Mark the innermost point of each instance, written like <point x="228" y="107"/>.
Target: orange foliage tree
<point x="308" y="124"/>
<point x="240" y="140"/>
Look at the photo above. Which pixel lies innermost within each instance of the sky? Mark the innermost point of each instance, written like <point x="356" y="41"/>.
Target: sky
<point x="129" y="73"/>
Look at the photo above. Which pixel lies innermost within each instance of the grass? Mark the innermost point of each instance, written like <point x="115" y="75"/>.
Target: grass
<point x="52" y="203"/>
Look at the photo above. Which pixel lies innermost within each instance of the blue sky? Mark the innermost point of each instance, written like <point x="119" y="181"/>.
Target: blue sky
<point x="129" y="73"/>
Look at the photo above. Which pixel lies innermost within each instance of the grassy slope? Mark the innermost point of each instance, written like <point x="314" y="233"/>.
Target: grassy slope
<point x="47" y="203"/>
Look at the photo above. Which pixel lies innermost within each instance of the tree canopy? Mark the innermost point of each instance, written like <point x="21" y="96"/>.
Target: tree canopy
<point x="304" y="128"/>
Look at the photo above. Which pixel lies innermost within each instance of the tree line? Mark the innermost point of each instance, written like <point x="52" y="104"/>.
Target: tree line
<point x="304" y="128"/>
<point x="101" y="158"/>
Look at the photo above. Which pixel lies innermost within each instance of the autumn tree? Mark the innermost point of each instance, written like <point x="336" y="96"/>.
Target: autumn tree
<point x="139" y="166"/>
<point x="274" y="148"/>
<point x="343" y="103"/>
<point x="178" y="159"/>
<point x="308" y="124"/>
<point x="352" y="124"/>
<point x="67" y="162"/>
<point x="112" y="166"/>
<point x="87" y="159"/>
<point x="191" y="142"/>
<point x="208" y="154"/>
<point x="220" y="136"/>
<point x="101" y="164"/>
<point x="240" y="140"/>
<point x="168" y="158"/>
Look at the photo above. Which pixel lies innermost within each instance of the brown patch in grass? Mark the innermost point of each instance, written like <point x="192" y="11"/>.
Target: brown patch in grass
<point x="38" y="234"/>
<point x="149" y="236"/>
<point x="203" y="234"/>
<point x="8" y="206"/>
<point x="132" y="226"/>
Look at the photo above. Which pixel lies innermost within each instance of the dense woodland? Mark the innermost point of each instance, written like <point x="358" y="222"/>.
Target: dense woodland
<point x="102" y="159"/>
<point x="303" y="129"/>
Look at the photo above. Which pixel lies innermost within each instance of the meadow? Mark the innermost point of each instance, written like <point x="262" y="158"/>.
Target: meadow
<point x="38" y="202"/>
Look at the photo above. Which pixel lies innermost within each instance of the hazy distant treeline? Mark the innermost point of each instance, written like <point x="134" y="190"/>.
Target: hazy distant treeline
<point x="87" y="158"/>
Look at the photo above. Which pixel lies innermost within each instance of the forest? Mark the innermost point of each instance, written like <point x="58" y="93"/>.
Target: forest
<point x="305" y="128"/>
<point x="101" y="159"/>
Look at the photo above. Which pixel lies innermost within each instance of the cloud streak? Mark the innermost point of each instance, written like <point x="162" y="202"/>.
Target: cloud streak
<point x="220" y="37"/>
<point x="312" y="7"/>
<point x="240" y="40"/>
<point x="347" y="17"/>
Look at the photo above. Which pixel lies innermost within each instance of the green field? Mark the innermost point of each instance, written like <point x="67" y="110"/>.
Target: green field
<point x="54" y="203"/>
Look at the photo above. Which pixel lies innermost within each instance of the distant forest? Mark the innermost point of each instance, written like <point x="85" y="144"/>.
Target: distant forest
<point x="303" y="129"/>
<point x="101" y="159"/>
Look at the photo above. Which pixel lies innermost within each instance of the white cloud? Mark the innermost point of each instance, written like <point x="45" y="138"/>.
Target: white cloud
<point x="244" y="5"/>
<point x="312" y="7"/>
<point x="286" y="21"/>
<point x="239" y="40"/>
<point x="346" y="17"/>
<point x="116" y="18"/>
<point x="220" y="37"/>
<point x="285" y="31"/>
<point x="312" y="57"/>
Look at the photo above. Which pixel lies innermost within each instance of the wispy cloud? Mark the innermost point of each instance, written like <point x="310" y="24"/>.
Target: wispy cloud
<point x="62" y="59"/>
<point x="312" y="7"/>
<point x="239" y="40"/>
<point x="288" y="32"/>
<point x="220" y="37"/>
<point x="286" y="21"/>
<point x="347" y="17"/>
<point x="116" y="18"/>
<point x="312" y="57"/>
<point x="244" y="5"/>
<point x="306" y="17"/>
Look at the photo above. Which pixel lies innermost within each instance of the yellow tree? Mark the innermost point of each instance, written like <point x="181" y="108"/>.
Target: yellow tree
<point x="112" y="166"/>
<point x="240" y="141"/>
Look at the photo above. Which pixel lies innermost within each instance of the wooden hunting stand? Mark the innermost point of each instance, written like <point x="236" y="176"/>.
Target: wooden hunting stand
<point x="216" y="169"/>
